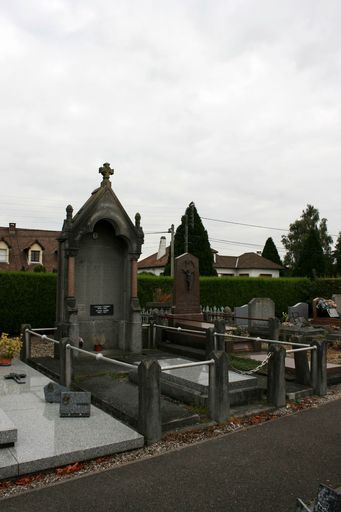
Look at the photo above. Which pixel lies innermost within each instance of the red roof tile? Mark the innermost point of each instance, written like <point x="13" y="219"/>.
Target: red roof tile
<point x="19" y="240"/>
<point x="153" y="262"/>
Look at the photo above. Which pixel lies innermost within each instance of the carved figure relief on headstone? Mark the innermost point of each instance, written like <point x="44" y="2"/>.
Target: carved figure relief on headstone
<point x="186" y="287"/>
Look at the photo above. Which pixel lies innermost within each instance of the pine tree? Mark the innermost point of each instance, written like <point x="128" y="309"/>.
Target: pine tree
<point x="311" y="262"/>
<point x="270" y="252"/>
<point x="198" y="243"/>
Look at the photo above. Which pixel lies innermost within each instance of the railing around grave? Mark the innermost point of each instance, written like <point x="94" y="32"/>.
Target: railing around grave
<point x="36" y="332"/>
<point x="156" y="330"/>
<point x="314" y="374"/>
<point x="149" y="373"/>
<point x="149" y="382"/>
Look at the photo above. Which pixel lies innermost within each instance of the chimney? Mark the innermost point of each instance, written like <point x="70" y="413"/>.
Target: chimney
<point x="11" y="227"/>
<point x="162" y="248"/>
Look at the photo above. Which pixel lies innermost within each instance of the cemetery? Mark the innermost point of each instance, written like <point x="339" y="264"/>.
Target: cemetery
<point x="114" y="377"/>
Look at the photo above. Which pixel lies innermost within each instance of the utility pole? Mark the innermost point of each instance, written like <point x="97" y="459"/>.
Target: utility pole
<point x="191" y="214"/>
<point x="171" y="231"/>
<point x="185" y="217"/>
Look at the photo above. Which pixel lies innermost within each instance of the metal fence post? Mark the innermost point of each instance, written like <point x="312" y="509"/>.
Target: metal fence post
<point x="25" y="352"/>
<point x="301" y="364"/>
<point x="65" y="363"/>
<point x="151" y="334"/>
<point x="68" y="366"/>
<point x="149" y="415"/>
<point x="313" y="367"/>
<point x="220" y="327"/>
<point x="157" y="335"/>
<point x="218" y="398"/>
<point x="209" y="341"/>
<point x="273" y="328"/>
<point x="320" y="370"/>
<point x="276" y="377"/>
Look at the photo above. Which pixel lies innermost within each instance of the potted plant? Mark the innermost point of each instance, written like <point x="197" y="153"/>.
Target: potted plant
<point x="9" y="347"/>
<point x="99" y="342"/>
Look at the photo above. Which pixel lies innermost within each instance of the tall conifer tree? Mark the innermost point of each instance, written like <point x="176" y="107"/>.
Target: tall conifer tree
<point x="198" y="243"/>
<point x="270" y="251"/>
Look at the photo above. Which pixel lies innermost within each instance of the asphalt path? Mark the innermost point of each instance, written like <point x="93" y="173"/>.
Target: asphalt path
<point x="264" y="468"/>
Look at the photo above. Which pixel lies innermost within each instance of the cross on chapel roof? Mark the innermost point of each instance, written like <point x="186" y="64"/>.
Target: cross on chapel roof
<point x="106" y="172"/>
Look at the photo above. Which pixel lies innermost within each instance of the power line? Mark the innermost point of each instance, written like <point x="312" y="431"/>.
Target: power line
<point x="233" y="242"/>
<point x="252" y="225"/>
<point x="244" y="224"/>
<point x="156" y="232"/>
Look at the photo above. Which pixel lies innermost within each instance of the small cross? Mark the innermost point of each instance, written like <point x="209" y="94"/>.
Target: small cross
<point x="106" y="171"/>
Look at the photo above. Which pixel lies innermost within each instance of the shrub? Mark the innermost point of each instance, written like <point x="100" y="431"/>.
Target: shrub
<point x="30" y="297"/>
<point x="236" y="291"/>
<point x="27" y="297"/>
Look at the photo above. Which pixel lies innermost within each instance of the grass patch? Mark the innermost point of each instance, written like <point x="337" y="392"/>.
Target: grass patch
<point x="113" y="375"/>
<point x="242" y="363"/>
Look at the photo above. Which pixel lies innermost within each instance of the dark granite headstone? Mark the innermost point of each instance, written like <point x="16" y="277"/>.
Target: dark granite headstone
<point x="260" y="308"/>
<point x="186" y="288"/>
<point x="299" y="310"/>
<point x="52" y="392"/>
<point x="75" y="404"/>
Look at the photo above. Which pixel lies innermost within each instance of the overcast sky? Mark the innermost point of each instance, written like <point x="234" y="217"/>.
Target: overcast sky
<point x="234" y="104"/>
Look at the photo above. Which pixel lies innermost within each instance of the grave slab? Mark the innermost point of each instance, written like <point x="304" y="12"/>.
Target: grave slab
<point x="44" y="439"/>
<point x="196" y="377"/>
<point x="8" y="431"/>
<point x="8" y="464"/>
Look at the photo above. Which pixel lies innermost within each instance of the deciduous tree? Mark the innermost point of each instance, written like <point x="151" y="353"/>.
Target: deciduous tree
<point x="311" y="261"/>
<point x="299" y="232"/>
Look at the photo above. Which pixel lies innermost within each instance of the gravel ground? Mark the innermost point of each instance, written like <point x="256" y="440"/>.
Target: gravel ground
<point x="171" y="441"/>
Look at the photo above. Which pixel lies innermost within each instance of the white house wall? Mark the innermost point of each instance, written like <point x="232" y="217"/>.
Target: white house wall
<point x="157" y="271"/>
<point x="251" y="271"/>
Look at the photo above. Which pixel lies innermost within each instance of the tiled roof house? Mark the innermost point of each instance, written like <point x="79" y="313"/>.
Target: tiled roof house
<point x="249" y="264"/>
<point x="23" y="249"/>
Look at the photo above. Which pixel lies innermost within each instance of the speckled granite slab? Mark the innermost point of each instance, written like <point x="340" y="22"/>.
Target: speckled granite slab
<point x="44" y="439"/>
<point x="8" y="431"/>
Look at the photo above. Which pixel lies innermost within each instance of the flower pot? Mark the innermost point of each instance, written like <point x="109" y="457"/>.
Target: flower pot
<point x="98" y="348"/>
<point x="5" y="361"/>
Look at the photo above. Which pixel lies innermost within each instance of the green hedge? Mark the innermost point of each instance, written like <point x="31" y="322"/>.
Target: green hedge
<point x="26" y="297"/>
<point x="148" y="284"/>
<point x="30" y="297"/>
<point x="236" y="291"/>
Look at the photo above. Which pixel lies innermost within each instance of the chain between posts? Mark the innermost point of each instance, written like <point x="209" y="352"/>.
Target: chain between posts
<point x="254" y="370"/>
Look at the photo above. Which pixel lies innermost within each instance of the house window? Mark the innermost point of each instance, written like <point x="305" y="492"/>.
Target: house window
<point x="3" y="252"/>
<point x="3" y="256"/>
<point x="244" y="275"/>
<point x="265" y="275"/>
<point x="35" y="256"/>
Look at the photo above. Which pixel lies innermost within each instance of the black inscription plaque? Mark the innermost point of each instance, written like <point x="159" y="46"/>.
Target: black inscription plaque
<point x="101" y="309"/>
